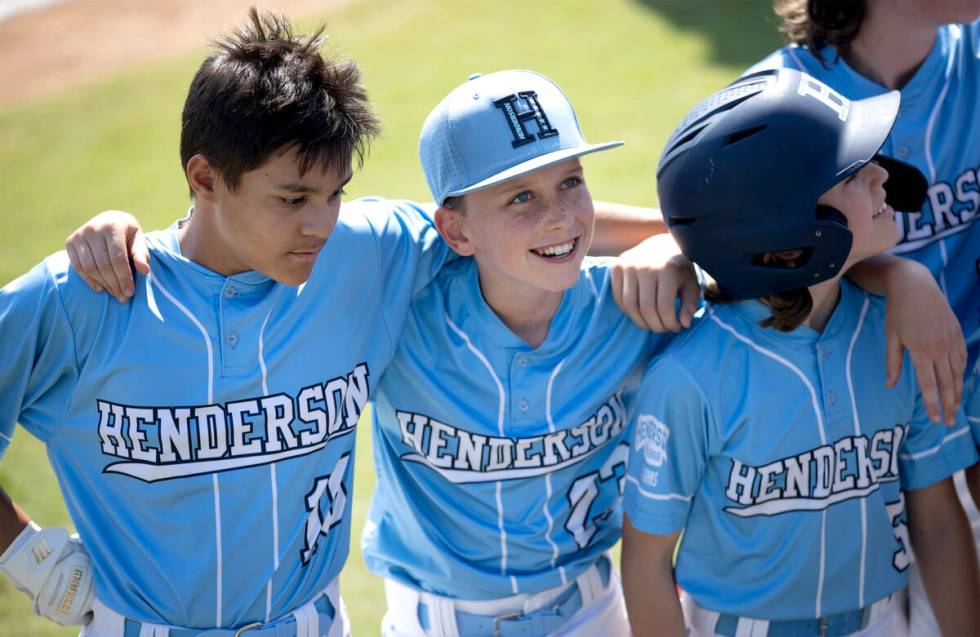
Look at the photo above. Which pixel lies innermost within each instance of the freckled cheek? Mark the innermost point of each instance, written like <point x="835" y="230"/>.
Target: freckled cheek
<point x="523" y="227"/>
<point x="581" y="203"/>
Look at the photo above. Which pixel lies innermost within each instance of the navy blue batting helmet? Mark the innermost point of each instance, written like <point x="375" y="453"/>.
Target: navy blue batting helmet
<point x="741" y="175"/>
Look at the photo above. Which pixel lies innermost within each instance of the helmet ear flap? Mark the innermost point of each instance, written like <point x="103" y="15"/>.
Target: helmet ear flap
<point x="832" y="214"/>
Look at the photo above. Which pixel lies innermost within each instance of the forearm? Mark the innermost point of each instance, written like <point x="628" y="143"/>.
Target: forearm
<point x="947" y="560"/>
<point x="649" y="586"/>
<point x="619" y="227"/>
<point x="12" y="520"/>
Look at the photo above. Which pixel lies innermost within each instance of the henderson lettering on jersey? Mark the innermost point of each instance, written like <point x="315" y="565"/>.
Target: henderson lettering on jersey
<point x="161" y="443"/>
<point x="952" y="207"/>
<point x="851" y="467"/>
<point x="461" y="456"/>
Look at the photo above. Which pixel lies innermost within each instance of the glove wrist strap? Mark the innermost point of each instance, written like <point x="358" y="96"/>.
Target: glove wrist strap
<point x="31" y="557"/>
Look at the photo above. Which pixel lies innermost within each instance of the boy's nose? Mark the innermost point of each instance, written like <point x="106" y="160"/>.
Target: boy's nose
<point x="320" y="221"/>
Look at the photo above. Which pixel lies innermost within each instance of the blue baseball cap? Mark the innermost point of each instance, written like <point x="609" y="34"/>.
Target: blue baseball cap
<point x="496" y="127"/>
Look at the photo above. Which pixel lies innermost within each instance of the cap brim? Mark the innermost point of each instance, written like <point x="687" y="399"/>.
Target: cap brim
<point x="868" y="124"/>
<point x="533" y="164"/>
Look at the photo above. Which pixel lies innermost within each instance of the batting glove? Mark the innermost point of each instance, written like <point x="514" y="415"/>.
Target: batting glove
<point x="55" y="570"/>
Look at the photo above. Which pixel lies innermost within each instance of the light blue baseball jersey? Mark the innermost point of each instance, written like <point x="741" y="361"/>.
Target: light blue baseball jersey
<point x="203" y="434"/>
<point x="938" y="131"/>
<point x="501" y="466"/>
<point x="784" y="458"/>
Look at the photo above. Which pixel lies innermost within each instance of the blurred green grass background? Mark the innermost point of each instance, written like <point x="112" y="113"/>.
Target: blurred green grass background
<point x="631" y="67"/>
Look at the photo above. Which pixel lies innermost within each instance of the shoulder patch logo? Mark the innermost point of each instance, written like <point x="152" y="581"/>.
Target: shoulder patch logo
<point x="651" y="439"/>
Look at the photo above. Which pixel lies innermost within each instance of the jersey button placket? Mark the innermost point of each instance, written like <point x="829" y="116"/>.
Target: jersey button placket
<point x="236" y="357"/>
<point x="521" y="369"/>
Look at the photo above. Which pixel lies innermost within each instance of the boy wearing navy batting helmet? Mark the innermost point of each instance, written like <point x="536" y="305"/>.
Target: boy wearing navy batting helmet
<point x="930" y="51"/>
<point x="765" y="434"/>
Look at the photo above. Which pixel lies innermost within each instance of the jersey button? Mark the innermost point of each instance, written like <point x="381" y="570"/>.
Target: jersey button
<point x="824" y="354"/>
<point x="231" y="292"/>
<point x="903" y="151"/>
<point x="831" y="398"/>
<point x="522" y="361"/>
<point x="522" y="405"/>
<point x="231" y="338"/>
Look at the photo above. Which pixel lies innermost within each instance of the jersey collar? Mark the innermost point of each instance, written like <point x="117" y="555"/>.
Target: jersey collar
<point x="923" y="82"/>
<point x="490" y="326"/>
<point x="165" y="245"/>
<point x="753" y="311"/>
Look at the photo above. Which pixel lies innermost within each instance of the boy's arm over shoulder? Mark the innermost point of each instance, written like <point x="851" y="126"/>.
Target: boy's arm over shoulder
<point x="410" y="250"/>
<point x="39" y="359"/>
<point x="918" y="318"/>
<point x="672" y="439"/>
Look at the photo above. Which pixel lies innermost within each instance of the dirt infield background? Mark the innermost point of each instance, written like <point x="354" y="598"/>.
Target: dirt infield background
<point x="60" y="46"/>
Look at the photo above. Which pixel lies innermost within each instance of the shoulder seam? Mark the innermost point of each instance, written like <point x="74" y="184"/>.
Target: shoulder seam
<point x="50" y="280"/>
<point x="382" y="283"/>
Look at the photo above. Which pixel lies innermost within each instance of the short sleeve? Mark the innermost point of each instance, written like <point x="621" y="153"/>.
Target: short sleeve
<point x="931" y="452"/>
<point x="38" y="363"/>
<point x="410" y="249"/>
<point x="669" y="451"/>
<point x="972" y="405"/>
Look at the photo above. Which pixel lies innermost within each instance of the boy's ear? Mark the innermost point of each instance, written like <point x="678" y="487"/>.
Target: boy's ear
<point x="451" y="225"/>
<point x="200" y="177"/>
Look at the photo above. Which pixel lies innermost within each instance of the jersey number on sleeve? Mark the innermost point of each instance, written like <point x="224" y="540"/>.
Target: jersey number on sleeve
<point x="317" y="524"/>
<point x="585" y="490"/>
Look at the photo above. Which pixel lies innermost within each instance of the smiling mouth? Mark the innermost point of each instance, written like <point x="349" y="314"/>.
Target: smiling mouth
<point x="557" y="251"/>
<point x="883" y="209"/>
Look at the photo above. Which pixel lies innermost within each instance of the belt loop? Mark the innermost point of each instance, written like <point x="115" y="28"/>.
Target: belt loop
<point x="154" y="630"/>
<point x="442" y="615"/>
<point x="748" y="627"/>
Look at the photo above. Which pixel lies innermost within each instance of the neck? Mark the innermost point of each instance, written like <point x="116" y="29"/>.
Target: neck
<point x="891" y="45"/>
<point x="825" y="296"/>
<point x="526" y="311"/>
<point x="193" y="237"/>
